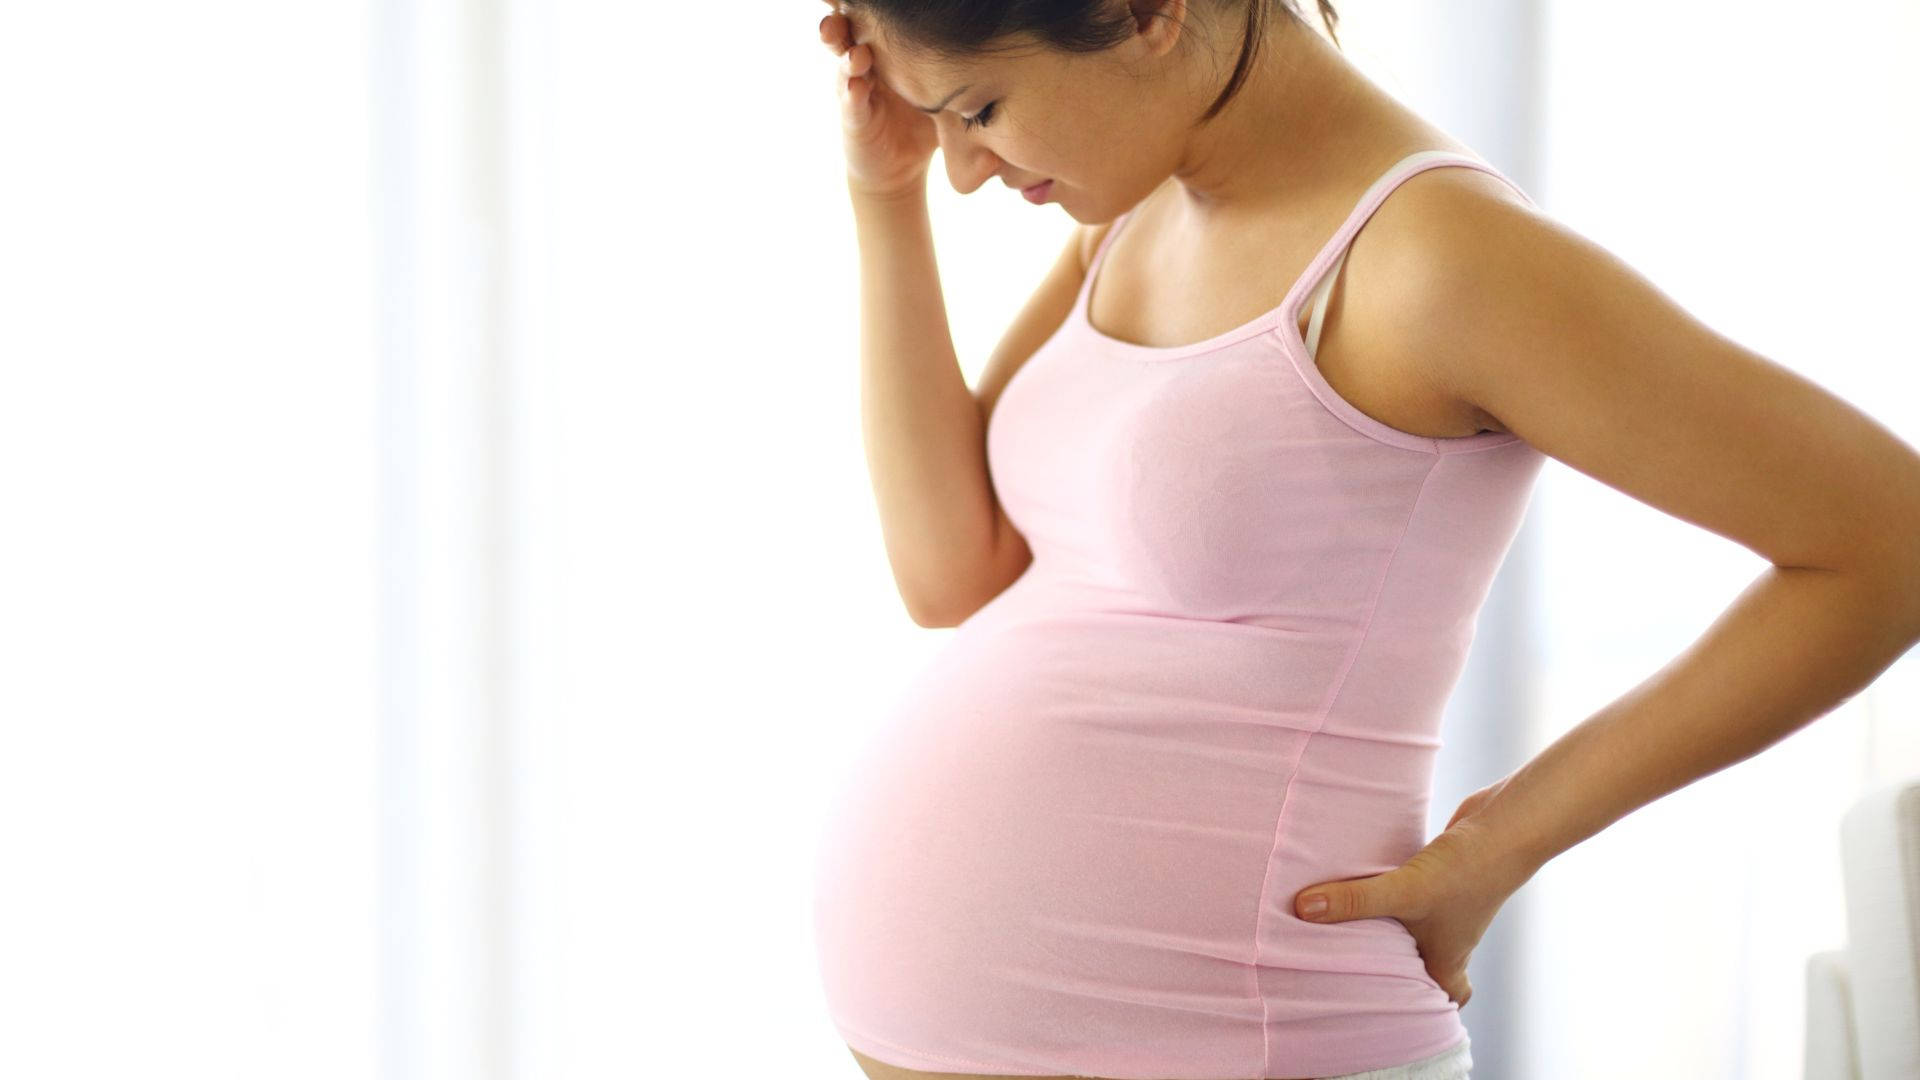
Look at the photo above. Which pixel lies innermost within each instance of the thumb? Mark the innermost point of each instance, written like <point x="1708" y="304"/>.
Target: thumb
<point x="1337" y="902"/>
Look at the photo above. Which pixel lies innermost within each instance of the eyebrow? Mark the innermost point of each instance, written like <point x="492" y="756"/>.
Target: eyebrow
<point x="943" y="104"/>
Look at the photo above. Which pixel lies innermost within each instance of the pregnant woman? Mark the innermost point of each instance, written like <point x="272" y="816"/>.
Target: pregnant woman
<point x="1215" y="528"/>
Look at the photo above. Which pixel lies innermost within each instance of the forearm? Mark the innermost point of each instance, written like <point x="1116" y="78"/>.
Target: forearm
<point x="1793" y="646"/>
<point x="924" y="435"/>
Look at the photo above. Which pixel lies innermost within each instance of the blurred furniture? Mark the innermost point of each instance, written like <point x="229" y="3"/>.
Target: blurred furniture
<point x="1863" y="1001"/>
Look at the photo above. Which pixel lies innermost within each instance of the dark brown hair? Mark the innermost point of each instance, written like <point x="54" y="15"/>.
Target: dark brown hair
<point x="964" y="28"/>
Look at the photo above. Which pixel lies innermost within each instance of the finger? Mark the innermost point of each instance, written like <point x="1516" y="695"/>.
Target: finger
<point x="837" y="32"/>
<point x="862" y="101"/>
<point x="857" y="92"/>
<point x="1455" y="983"/>
<point x="1364" y="898"/>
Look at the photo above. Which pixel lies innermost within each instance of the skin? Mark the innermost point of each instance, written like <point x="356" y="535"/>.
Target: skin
<point x="1515" y="320"/>
<point x="1059" y="116"/>
<point x="1231" y="210"/>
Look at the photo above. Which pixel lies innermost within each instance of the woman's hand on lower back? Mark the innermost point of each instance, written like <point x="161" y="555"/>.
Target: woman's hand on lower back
<point x="1446" y="895"/>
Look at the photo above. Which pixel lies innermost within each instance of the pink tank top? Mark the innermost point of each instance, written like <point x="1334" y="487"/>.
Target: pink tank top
<point x="1074" y="846"/>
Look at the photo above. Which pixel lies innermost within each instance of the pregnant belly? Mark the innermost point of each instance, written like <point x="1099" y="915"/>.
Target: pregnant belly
<point x="1039" y="854"/>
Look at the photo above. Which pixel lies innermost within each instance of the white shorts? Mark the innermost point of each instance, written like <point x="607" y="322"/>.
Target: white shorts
<point x="1449" y="1064"/>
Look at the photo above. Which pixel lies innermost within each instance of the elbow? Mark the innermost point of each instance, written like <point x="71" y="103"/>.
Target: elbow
<point x="1907" y="583"/>
<point x="1904" y="565"/>
<point x="1886" y="561"/>
<point x="941" y="609"/>
<point x="929" y="608"/>
<point x="927" y="616"/>
<point x="1899" y="580"/>
<point x="960" y="592"/>
<point x="1903" y="581"/>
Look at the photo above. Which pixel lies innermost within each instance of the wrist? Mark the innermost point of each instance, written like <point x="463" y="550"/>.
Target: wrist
<point x="1505" y="848"/>
<point x="906" y="193"/>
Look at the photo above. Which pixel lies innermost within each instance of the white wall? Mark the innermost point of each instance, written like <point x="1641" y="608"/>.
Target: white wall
<point x="189" y="602"/>
<point x="1757" y="162"/>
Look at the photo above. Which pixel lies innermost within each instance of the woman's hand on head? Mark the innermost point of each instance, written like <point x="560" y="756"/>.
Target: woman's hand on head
<point x="889" y="143"/>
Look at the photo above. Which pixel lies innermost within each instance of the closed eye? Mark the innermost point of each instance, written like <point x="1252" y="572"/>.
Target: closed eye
<point x="981" y="118"/>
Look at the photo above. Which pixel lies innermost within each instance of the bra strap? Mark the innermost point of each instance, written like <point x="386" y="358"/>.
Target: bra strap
<point x="1321" y="294"/>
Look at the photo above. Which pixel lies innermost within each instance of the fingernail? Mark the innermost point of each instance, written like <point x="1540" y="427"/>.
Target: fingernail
<point x="1315" y="905"/>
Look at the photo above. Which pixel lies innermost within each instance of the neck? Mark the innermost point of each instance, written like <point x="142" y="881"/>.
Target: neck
<point x="1303" y="118"/>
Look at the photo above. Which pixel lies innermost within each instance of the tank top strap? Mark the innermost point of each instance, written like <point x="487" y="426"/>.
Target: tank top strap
<point x="1325" y="267"/>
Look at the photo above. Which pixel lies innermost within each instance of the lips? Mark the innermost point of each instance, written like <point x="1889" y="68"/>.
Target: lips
<point x="1038" y="192"/>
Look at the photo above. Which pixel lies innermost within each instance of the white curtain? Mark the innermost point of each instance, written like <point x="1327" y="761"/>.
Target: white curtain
<point x="1757" y="162"/>
<point x="190" y="602"/>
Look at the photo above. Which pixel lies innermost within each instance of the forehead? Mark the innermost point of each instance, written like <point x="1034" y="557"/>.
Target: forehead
<point x="921" y="76"/>
<point x="908" y="68"/>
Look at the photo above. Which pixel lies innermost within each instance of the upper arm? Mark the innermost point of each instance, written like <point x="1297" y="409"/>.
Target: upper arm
<point x="1566" y="346"/>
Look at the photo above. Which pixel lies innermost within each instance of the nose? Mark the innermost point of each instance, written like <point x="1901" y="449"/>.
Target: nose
<point x="968" y="164"/>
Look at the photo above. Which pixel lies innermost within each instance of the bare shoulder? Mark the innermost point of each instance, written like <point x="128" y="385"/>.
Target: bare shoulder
<point x="1461" y="213"/>
<point x="1591" y="362"/>
<point x="1461" y="181"/>
<point x="1422" y="222"/>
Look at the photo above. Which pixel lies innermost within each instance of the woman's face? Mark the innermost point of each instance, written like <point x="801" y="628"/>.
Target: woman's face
<point x="1107" y="128"/>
